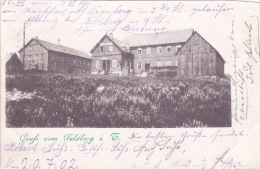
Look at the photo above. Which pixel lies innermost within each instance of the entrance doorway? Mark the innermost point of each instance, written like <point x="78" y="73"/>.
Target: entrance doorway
<point x="106" y="65"/>
<point x="147" y="67"/>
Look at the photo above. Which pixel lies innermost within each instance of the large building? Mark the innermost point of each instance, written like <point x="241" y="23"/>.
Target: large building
<point x="151" y="50"/>
<point x="111" y="56"/>
<point x="50" y="57"/>
<point x="184" y="51"/>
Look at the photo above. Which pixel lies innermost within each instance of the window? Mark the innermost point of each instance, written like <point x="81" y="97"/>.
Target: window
<point x="30" y="48"/>
<point x="74" y="60"/>
<point x="130" y="65"/>
<point x="168" y="48"/>
<point x="114" y="63"/>
<point x="148" y="50"/>
<point x="111" y="48"/>
<point x="139" y="51"/>
<point x="102" y="48"/>
<point x="139" y="65"/>
<point x="43" y="56"/>
<point x="178" y="47"/>
<point x="35" y="47"/>
<point x="159" y="63"/>
<point x="30" y="57"/>
<point x="97" y="64"/>
<point x="84" y="63"/>
<point x="168" y="63"/>
<point x="159" y="49"/>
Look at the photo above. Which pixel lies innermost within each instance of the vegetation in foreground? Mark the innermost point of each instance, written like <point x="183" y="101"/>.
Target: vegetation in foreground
<point x="35" y="100"/>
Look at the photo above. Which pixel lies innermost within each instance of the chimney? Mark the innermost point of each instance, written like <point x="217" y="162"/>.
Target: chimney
<point x="36" y="37"/>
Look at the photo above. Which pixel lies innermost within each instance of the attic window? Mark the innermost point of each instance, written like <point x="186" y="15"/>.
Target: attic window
<point x="111" y="48"/>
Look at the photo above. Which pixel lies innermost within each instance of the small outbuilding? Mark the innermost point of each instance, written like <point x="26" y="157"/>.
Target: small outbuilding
<point x="13" y="64"/>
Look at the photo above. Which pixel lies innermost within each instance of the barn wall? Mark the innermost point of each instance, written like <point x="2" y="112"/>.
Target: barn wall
<point x="60" y="62"/>
<point x="220" y="66"/>
<point x="197" y="58"/>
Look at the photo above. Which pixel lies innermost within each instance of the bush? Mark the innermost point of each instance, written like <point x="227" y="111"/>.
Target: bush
<point x="109" y="101"/>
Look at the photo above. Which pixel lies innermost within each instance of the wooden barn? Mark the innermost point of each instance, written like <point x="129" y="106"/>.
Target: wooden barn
<point x="198" y="58"/>
<point x="13" y="64"/>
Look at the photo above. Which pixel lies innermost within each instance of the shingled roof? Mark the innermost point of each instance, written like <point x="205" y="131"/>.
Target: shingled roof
<point x="59" y="48"/>
<point x="176" y="36"/>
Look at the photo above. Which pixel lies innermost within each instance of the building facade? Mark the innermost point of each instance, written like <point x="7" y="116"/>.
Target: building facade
<point x="151" y="51"/>
<point x="111" y="56"/>
<point x="50" y="57"/>
<point x="183" y="51"/>
<point x="198" y="58"/>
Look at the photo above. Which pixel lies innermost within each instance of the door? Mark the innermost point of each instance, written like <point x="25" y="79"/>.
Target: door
<point x="147" y="67"/>
<point x="106" y="66"/>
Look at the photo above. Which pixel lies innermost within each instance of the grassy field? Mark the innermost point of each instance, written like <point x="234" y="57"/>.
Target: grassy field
<point x="55" y="100"/>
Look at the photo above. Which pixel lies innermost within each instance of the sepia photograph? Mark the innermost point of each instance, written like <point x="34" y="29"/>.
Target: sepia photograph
<point x="129" y="77"/>
<point x="130" y="84"/>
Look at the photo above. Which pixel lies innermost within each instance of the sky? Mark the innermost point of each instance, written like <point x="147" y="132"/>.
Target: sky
<point x="81" y="24"/>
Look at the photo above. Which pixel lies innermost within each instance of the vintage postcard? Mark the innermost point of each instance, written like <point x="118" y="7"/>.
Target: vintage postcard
<point x="130" y="84"/>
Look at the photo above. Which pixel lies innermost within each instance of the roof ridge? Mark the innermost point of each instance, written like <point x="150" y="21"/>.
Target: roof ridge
<point x="57" y="44"/>
<point x="162" y="32"/>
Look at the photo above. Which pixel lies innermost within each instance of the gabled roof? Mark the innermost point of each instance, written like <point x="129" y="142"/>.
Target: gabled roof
<point x="169" y="37"/>
<point x="58" y="48"/>
<point x="195" y="32"/>
<point x="10" y="56"/>
<point x="119" y="44"/>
